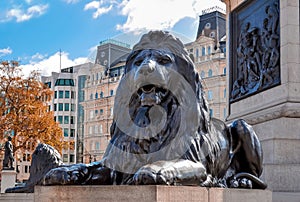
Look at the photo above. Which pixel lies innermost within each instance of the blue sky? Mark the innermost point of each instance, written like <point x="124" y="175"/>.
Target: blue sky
<point x="33" y="31"/>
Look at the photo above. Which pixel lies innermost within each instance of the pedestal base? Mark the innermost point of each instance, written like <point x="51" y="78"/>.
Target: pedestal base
<point x="148" y="194"/>
<point x="8" y="179"/>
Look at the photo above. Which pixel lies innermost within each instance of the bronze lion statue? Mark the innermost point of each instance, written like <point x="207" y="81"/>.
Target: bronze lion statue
<point x="162" y="132"/>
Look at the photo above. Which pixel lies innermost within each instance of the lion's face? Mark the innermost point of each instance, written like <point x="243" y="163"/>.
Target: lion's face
<point x="150" y="76"/>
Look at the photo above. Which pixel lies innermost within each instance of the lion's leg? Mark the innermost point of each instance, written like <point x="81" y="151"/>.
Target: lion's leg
<point x="246" y="155"/>
<point x="180" y="171"/>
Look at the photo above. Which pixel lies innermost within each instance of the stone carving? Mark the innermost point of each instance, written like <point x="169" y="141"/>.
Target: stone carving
<point x="162" y="132"/>
<point x="8" y="155"/>
<point x="257" y="55"/>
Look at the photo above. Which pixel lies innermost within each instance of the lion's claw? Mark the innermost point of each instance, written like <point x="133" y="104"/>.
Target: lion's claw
<point x="148" y="177"/>
<point x="241" y="183"/>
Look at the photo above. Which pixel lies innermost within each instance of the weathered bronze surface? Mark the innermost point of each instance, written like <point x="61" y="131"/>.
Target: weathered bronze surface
<point x="162" y="132"/>
<point x="8" y="155"/>
<point x="255" y="48"/>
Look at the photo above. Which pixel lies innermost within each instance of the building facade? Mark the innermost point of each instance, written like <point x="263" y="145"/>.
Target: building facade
<point x="68" y="93"/>
<point x="209" y="54"/>
<point x="100" y="89"/>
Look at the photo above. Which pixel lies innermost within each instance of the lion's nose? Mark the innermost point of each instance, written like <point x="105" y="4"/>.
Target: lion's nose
<point x="146" y="67"/>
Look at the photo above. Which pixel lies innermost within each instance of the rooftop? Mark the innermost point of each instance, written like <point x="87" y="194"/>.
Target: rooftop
<point x="112" y="41"/>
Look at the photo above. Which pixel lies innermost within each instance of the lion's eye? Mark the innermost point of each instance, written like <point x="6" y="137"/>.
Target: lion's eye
<point x="164" y="61"/>
<point x="138" y="62"/>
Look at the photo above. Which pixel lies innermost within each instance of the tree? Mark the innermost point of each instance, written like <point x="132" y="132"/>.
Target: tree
<point x="25" y="114"/>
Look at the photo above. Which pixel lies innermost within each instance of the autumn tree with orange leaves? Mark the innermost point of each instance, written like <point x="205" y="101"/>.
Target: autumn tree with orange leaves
<point x="24" y="111"/>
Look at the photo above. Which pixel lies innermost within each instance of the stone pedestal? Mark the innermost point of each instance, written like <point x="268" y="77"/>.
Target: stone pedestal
<point x="8" y="179"/>
<point x="148" y="194"/>
<point x="275" y="112"/>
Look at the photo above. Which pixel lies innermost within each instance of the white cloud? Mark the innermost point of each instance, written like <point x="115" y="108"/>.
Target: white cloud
<point x="5" y="51"/>
<point x="22" y="15"/>
<point x="158" y="14"/>
<point x="45" y="65"/>
<point x="28" y="1"/>
<point x="145" y="15"/>
<point x="99" y="7"/>
<point x="71" y="1"/>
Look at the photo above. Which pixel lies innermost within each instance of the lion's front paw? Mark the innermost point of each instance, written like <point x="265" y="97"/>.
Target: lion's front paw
<point x="75" y="174"/>
<point x="148" y="176"/>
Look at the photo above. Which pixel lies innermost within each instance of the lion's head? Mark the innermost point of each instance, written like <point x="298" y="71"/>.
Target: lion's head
<point x="159" y="97"/>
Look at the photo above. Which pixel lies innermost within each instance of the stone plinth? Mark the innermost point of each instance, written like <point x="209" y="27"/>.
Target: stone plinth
<point x="17" y="197"/>
<point x="275" y="112"/>
<point x="8" y="179"/>
<point x="148" y="194"/>
<point x="226" y="195"/>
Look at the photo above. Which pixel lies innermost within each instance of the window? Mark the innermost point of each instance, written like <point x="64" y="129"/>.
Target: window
<point x="96" y="112"/>
<point x="96" y="95"/>
<point x="26" y="157"/>
<point x="207" y="25"/>
<point x="60" y="119"/>
<point x="55" y="94"/>
<point x="66" y="132"/>
<point x="66" y="119"/>
<point x="67" y="107"/>
<point x="111" y="111"/>
<point x="212" y="34"/>
<point x="100" y="128"/>
<point x="64" y="82"/>
<point x="72" y="95"/>
<point x="224" y="70"/>
<point x="224" y="92"/>
<point x="97" y="145"/>
<point x="60" y="106"/>
<point x="101" y="95"/>
<point x="209" y="95"/>
<point x="72" y="121"/>
<point x="211" y="112"/>
<point x="91" y="96"/>
<point x="209" y="50"/>
<point x="55" y="118"/>
<point x="101" y="111"/>
<point x="197" y="53"/>
<point x="210" y="73"/>
<point x="91" y="114"/>
<point x="65" y="157"/>
<point x="55" y="107"/>
<point x="203" y="51"/>
<point x="224" y="113"/>
<point x="72" y="158"/>
<point x="26" y="170"/>
<point x="72" y="107"/>
<point x="91" y="130"/>
<point x="48" y="84"/>
<point x="202" y="74"/>
<point x="61" y="94"/>
<point x="72" y="132"/>
<point x="67" y="94"/>
<point x="91" y="145"/>
<point x="111" y="92"/>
